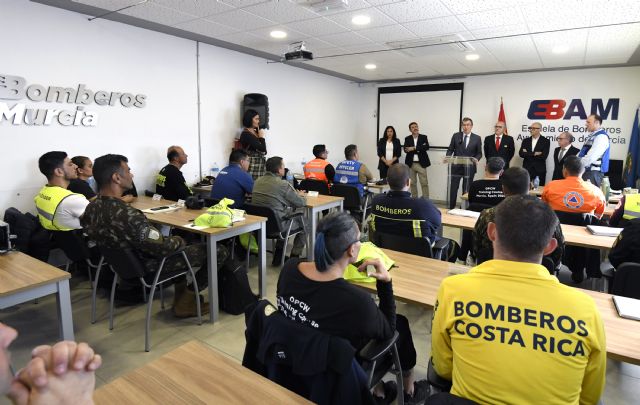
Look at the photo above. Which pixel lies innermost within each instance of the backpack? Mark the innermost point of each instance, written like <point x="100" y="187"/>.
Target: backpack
<point x="234" y="292"/>
<point x="32" y="238"/>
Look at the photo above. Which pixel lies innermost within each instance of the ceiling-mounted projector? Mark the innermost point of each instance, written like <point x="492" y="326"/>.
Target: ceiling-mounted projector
<point x="298" y="52"/>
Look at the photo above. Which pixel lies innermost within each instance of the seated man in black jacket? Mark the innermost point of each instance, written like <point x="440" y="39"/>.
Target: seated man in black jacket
<point x="488" y="191"/>
<point x="397" y="212"/>
<point x="170" y="182"/>
<point x="316" y="294"/>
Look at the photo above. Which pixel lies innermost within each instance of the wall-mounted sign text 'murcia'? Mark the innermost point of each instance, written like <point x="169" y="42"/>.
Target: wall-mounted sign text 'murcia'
<point x="16" y="88"/>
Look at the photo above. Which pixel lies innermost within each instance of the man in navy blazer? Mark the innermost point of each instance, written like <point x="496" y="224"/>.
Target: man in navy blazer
<point x="534" y="151"/>
<point x="564" y="145"/>
<point x="464" y="143"/>
<point x="499" y="145"/>
<point x="416" y="146"/>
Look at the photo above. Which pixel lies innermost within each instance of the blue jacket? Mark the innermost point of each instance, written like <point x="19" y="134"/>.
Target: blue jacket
<point x="396" y="212"/>
<point x="347" y="173"/>
<point x="232" y="182"/>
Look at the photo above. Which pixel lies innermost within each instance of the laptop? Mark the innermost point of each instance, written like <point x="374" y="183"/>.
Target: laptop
<point x="627" y="307"/>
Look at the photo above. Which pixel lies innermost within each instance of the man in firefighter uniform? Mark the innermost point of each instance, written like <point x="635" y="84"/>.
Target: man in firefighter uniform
<point x="573" y="194"/>
<point x="58" y="208"/>
<point x="319" y="168"/>
<point x="595" y="151"/>
<point x="397" y="212"/>
<point x="509" y="312"/>
<point x="352" y="171"/>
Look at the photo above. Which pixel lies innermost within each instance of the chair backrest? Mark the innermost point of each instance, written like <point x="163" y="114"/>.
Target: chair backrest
<point x="72" y="244"/>
<point x="406" y="244"/>
<point x="576" y="218"/>
<point x="627" y="280"/>
<point x="274" y="223"/>
<point x="125" y="262"/>
<point x="351" y="195"/>
<point x="314" y="185"/>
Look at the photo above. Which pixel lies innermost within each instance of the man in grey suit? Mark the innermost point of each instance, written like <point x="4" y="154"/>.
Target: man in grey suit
<point x="464" y="143"/>
<point x="563" y="150"/>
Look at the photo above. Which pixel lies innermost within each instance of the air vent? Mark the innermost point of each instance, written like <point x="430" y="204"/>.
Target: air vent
<point x="322" y="6"/>
<point x="433" y="46"/>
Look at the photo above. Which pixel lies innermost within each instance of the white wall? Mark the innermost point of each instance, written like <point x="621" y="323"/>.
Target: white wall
<point x="61" y="48"/>
<point x="482" y="101"/>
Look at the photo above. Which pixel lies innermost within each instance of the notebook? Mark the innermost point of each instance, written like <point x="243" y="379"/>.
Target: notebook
<point x="464" y="213"/>
<point x="627" y="307"/>
<point x="604" y="230"/>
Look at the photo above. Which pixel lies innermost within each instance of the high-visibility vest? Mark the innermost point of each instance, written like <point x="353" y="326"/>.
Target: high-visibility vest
<point x="347" y="173"/>
<point x="47" y="201"/>
<point x="631" y="206"/>
<point x="602" y="164"/>
<point x="315" y="170"/>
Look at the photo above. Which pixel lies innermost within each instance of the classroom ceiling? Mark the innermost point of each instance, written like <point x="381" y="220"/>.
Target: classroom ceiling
<point x="405" y="39"/>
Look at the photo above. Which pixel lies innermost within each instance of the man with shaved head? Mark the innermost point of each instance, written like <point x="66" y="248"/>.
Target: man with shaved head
<point x="499" y="145"/>
<point x="170" y="182"/>
<point x="534" y="150"/>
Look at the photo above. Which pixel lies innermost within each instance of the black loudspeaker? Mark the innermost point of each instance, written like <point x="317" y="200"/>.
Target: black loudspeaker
<point x="615" y="174"/>
<point x="260" y="103"/>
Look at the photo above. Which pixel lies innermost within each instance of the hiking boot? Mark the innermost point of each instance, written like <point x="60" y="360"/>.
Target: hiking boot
<point x="390" y="394"/>
<point x="184" y="304"/>
<point x="420" y="393"/>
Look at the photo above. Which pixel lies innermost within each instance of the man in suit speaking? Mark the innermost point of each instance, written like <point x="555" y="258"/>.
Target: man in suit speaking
<point x="464" y="143"/>
<point x="499" y="145"/>
<point x="563" y="150"/>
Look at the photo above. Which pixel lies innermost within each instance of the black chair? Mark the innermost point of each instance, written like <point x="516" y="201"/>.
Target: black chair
<point x="272" y="331"/>
<point x="615" y="174"/>
<point x="357" y="206"/>
<point x="575" y="257"/>
<point x="412" y="245"/>
<point x="278" y="229"/>
<point x="626" y="280"/>
<point x="322" y="187"/>
<point x="467" y="235"/>
<point x="75" y="247"/>
<point x="126" y="264"/>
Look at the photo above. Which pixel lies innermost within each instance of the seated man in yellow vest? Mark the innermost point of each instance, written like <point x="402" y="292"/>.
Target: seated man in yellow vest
<point x="509" y="325"/>
<point x="319" y="168"/>
<point x="627" y="209"/>
<point x="58" y="208"/>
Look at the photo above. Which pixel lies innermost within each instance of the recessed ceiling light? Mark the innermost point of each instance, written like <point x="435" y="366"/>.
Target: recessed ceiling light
<point x="559" y="49"/>
<point x="278" y="34"/>
<point x="472" y="56"/>
<point x="361" y="20"/>
<point x="370" y="66"/>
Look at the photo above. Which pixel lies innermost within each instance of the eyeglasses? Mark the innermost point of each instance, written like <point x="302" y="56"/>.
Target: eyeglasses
<point x="531" y="128"/>
<point x="498" y="126"/>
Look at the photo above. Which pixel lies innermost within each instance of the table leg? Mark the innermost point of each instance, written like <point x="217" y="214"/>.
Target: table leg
<point x="312" y="234"/>
<point x="262" y="260"/>
<point x="212" y="268"/>
<point x="65" y="316"/>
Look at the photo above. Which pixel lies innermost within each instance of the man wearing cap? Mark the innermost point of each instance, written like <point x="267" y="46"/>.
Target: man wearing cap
<point x="58" y="208"/>
<point x="319" y="168"/>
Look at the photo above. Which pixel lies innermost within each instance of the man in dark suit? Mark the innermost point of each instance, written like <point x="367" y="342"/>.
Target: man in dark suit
<point x="499" y="145"/>
<point x="534" y="150"/>
<point x="464" y="143"/>
<point x="563" y="150"/>
<point x="416" y="146"/>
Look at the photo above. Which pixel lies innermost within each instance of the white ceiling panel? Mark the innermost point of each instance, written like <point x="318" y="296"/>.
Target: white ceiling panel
<point x="608" y="42"/>
<point x="414" y="10"/>
<point x="562" y="15"/>
<point x="158" y="14"/>
<point x="573" y="42"/>
<point x="491" y="18"/>
<point x="206" y="28"/>
<point x="242" y="38"/>
<point x="346" y="39"/>
<point x="510" y="48"/>
<point x="521" y="64"/>
<point x="388" y="34"/>
<point x="506" y="31"/>
<point x="378" y="19"/>
<point x="617" y="11"/>
<point x="292" y="36"/>
<point x="435" y="27"/>
<point x="353" y="5"/>
<point x="383" y="2"/>
<point x="106" y="4"/>
<point x="200" y="8"/>
<point x="473" y="6"/>
<point x="317" y="27"/>
<point x="281" y="11"/>
<point x="241" y="20"/>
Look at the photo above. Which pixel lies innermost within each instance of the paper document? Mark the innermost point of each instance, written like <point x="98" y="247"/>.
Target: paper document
<point x="604" y="230"/>
<point x="191" y="225"/>
<point x="464" y="213"/>
<point x="627" y="307"/>
<point x="238" y="215"/>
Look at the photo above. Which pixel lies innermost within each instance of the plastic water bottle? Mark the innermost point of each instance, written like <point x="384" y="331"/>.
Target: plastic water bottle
<point x="536" y="183"/>
<point x="605" y="186"/>
<point x="303" y="162"/>
<point x="290" y="177"/>
<point x="215" y="170"/>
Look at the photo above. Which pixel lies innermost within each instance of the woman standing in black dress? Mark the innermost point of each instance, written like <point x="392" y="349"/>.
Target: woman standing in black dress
<point x="253" y="142"/>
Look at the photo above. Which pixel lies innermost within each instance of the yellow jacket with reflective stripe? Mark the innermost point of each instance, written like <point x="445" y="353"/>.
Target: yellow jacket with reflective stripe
<point x="47" y="201"/>
<point x="631" y="206"/>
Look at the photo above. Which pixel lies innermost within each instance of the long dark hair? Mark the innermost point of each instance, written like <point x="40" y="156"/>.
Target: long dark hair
<point x="384" y="134"/>
<point x="247" y="118"/>
<point x="336" y="232"/>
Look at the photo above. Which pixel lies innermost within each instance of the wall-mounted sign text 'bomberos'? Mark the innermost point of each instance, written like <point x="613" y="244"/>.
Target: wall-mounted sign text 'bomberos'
<point x="16" y="88"/>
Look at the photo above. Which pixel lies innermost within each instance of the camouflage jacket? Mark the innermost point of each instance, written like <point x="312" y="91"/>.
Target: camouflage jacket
<point x="112" y="223"/>
<point x="481" y="240"/>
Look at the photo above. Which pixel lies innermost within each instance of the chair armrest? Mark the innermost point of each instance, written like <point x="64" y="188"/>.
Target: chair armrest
<point x="434" y="379"/>
<point x="438" y="247"/>
<point x="175" y="253"/>
<point x="293" y="215"/>
<point x="377" y="348"/>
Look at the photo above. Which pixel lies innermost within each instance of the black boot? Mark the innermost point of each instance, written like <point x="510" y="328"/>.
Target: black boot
<point x="277" y="256"/>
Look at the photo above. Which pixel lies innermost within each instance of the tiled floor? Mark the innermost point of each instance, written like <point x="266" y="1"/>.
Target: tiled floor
<point x="123" y="348"/>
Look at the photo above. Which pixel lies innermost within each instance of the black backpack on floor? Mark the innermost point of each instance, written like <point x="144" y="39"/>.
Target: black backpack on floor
<point x="234" y="292"/>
